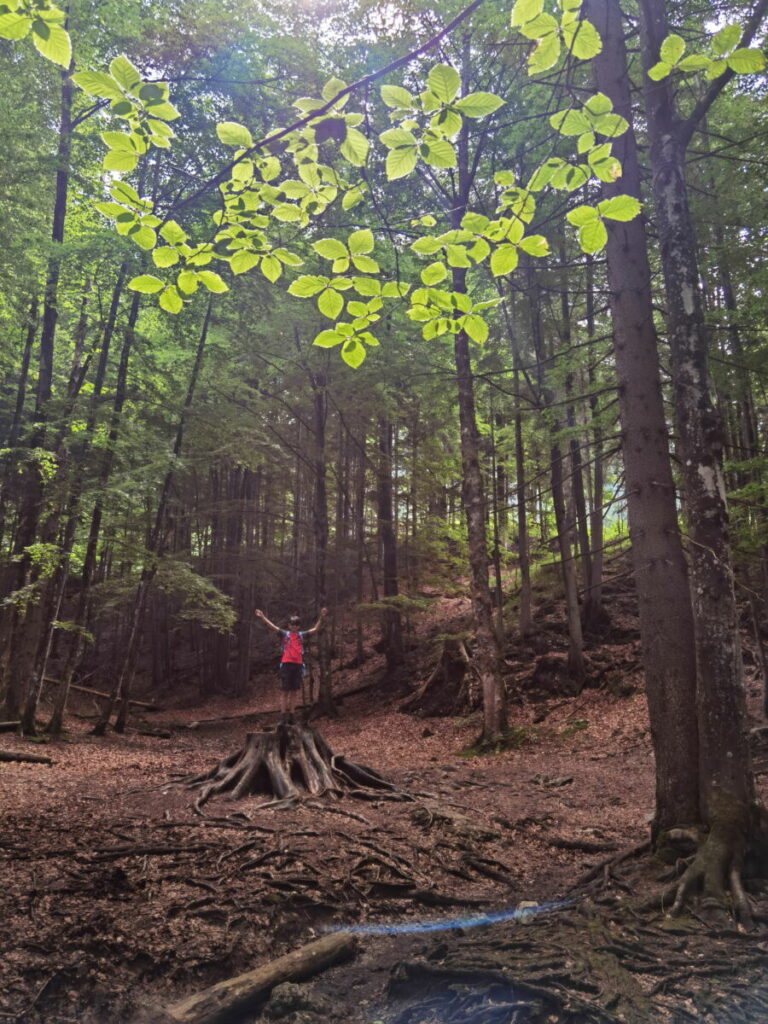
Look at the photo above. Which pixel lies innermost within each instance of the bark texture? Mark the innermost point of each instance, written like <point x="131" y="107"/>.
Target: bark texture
<point x="237" y="997"/>
<point x="666" y="621"/>
<point x="726" y="786"/>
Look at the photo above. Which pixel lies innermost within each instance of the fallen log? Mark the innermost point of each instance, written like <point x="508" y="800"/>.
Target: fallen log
<point x="339" y="697"/>
<point x="100" y="693"/>
<point x="12" y="755"/>
<point x="244" y="994"/>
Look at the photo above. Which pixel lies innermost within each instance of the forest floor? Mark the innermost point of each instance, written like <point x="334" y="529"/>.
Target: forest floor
<point x="118" y="900"/>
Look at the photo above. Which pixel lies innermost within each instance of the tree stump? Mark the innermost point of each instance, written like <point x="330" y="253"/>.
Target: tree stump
<point x="447" y="690"/>
<point x="286" y="763"/>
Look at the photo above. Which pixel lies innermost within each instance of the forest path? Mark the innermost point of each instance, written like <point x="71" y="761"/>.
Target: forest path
<point x="117" y="898"/>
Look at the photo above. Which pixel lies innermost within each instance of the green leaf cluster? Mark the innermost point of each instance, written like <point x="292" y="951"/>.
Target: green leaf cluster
<point x="576" y="35"/>
<point x="144" y="105"/>
<point x="725" y="53"/>
<point x="593" y="234"/>
<point x="43" y="22"/>
<point x="436" y="114"/>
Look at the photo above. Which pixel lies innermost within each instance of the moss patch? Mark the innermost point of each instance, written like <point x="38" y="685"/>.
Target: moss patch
<point x="513" y="738"/>
<point x="577" y="725"/>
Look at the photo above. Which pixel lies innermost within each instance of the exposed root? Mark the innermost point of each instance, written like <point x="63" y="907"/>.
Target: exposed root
<point x="287" y="764"/>
<point x="714" y="876"/>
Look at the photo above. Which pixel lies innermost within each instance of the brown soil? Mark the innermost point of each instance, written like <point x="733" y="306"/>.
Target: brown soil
<point x="117" y="898"/>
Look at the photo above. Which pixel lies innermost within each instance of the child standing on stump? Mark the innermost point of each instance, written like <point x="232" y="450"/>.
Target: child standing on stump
<point x="292" y="661"/>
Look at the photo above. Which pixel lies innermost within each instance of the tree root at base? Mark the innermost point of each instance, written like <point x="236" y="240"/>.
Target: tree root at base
<point x="715" y="873"/>
<point x="707" y="878"/>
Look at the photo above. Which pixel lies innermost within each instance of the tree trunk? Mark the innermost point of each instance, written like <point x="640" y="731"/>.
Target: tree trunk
<point x="666" y="621"/>
<point x="89" y="563"/>
<point x="16" y="420"/>
<point x="499" y="499"/>
<point x="54" y="589"/>
<point x="726" y="785"/>
<point x="325" y="703"/>
<point x="595" y="583"/>
<point x="568" y="567"/>
<point x="359" y="520"/>
<point x="577" y="473"/>
<point x="21" y="386"/>
<point x="392" y="632"/>
<point x="486" y="654"/>
<point x="120" y="694"/>
<point x="523" y="546"/>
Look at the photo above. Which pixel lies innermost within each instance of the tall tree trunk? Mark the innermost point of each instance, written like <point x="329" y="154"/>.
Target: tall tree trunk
<point x="567" y="565"/>
<point x="499" y="499"/>
<point x="577" y="471"/>
<point x="21" y="386"/>
<point x="666" y="621"/>
<point x="360" y="545"/>
<point x="486" y="655"/>
<point x="726" y="785"/>
<point x="595" y="583"/>
<point x="392" y="630"/>
<point x="320" y="517"/>
<point x="18" y="411"/>
<point x="523" y="546"/>
<point x="51" y="294"/>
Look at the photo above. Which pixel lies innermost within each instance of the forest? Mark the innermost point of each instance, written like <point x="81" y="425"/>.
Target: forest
<point x="432" y="338"/>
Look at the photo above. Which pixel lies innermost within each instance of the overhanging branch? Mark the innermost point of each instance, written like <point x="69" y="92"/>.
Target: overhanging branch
<point x="276" y="136"/>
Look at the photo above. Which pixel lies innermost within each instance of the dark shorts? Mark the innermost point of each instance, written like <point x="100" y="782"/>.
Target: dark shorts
<point x="290" y="675"/>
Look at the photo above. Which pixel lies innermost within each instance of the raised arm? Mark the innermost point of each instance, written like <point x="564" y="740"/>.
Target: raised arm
<point x="318" y="624"/>
<point x="270" y="625"/>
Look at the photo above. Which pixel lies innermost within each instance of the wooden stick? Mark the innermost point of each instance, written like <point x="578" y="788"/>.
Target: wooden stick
<point x="100" y="693"/>
<point x="244" y="993"/>
<point x="12" y="755"/>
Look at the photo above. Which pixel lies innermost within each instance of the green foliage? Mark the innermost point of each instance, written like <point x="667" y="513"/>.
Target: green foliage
<point x="516" y="737"/>
<point x="43" y="22"/>
<point x="283" y="178"/>
<point x="145" y="106"/>
<point x="574" y="726"/>
<point x="201" y="600"/>
<point x="590" y="220"/>
<point x="551" y="35"/>
<point x="724" y="54"/>
<point x="405" y="604"/>
<point x="68" y="626"/>
<point x="44" y="556"/>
